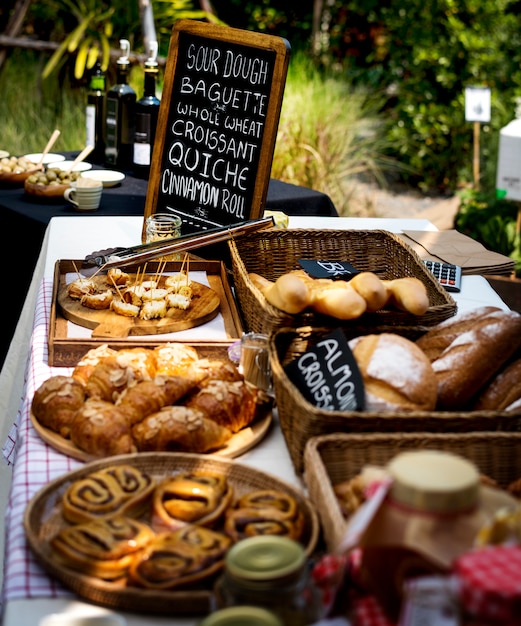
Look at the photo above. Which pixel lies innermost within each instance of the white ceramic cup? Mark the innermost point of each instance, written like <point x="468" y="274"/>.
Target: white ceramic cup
<point x="84" y="194"/>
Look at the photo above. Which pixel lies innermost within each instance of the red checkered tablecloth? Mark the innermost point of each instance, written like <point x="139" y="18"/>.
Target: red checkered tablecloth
<point x="34" y="465"/>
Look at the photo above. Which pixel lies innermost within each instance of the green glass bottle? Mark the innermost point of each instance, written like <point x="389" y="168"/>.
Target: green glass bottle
<point x="120" y="115"/>
<point x="147" y="112"/>
<point x="95" y="114"/>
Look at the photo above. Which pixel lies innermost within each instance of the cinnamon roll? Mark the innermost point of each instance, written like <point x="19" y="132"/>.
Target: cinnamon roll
<point x="104" y="547"/>
<point x="56" y="402"/>
<point x="264" y="512"/>
<point x="114" y="490"/>
<point x="190" y="497"/>
<point x="179" y="558"/>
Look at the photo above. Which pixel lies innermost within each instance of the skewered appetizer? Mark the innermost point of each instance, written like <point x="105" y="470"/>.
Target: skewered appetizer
<point x="141" y="298"/>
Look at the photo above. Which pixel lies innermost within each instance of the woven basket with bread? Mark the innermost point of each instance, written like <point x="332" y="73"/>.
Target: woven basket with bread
<point x="458" y="376"/>
<point x="337" y="465"/>
<point x="273" y="253"/>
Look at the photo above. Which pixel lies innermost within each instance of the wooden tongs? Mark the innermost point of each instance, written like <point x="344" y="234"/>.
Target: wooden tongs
<point x="120" y="257"/>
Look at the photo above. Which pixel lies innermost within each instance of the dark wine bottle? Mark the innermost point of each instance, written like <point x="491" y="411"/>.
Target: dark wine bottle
<point x="147" y="111"/>
<point x="95" y="115"/>
<point x="120" y="111"/>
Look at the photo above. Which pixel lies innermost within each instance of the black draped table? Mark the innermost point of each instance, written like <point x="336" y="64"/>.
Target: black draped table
<point x="25" y="219"/>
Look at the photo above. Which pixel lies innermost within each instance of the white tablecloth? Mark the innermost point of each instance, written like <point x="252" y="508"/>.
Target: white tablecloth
<point x="35" y="463"/>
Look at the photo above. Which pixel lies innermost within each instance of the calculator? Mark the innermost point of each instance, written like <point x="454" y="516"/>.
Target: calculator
<point x="448" y="274"/>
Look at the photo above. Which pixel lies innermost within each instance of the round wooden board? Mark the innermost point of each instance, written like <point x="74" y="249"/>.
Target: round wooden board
<point x="239" y="443"/>
<point x="43" y="519"/>
<point x="204" y="306"/>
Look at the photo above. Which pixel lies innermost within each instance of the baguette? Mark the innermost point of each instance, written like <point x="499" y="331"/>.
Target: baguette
<point x="503" y="392"/>
<point x="468" y="350"/>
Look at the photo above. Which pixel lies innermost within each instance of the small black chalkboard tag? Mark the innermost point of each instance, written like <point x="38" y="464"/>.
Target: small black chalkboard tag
<point x="336" y="270"/>
<point x="327" y="375"/>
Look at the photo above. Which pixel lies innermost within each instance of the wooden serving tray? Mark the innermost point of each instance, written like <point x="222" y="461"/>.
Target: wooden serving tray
<point x="43" y="519"/>
<point x="66" y="351"/>
<point x="106" y="324"/>
<point x="240" y="442"/>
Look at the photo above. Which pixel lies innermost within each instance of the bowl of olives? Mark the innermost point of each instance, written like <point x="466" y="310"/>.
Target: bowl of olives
<point x="15" y="170"/>
<point x="49" y="183"/>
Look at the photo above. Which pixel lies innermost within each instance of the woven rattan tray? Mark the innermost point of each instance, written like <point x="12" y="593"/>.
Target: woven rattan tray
<point x="332" y="459"/>
<point x="43" y="519"/>
<point x="272" y="253"/>
<point x="300" y="420"/>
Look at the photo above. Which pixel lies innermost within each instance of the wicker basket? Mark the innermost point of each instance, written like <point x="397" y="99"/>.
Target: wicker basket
<point x="332" y="459"/>
<point x="272" y="253"/>
<point x="43" y="519"/>
<point x="300" y="420"/>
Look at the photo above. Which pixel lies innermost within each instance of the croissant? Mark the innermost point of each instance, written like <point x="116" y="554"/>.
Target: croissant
<point x="183" y="557"/>
<point x="113" y="374"/>
<point x="107" y="380"/>
<point x="174" y="359"/>
<point x="179" y="429"/>
<point x="102" y="429"/>
<point x="104" y="548"/>
<point x="229" y="403"/>
<point x="149" y="396"/>
<point x="264" y="512"/>
<point x="84" y="367"/>
<point x="190" y="497"/>
<point x="214" y="369"/>
<point x="56" y="401"/>
<point x="114" y="490"/>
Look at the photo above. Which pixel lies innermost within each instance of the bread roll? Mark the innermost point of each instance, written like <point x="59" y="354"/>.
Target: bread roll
<point x="503" y="392"/>
<point x="372" y="290"/>
<point x="396" y="373"/>
<point x="408" y="294"/>
<point x="467" y="350"/>
<point x="259" y="281"/>
<point x="341" y="301"/>
<point x="289" y="293"/>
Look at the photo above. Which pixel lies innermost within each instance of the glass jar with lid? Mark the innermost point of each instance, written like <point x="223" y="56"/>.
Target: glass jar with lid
<point x="242" y="616"/>
<point x="271" y="572"/>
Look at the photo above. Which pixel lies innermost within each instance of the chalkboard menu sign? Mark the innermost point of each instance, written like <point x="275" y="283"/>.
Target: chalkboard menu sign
<point x="217" y="126"/>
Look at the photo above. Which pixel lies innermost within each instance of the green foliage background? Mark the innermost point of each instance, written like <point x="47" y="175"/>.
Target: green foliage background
<point x="415" y="58"/>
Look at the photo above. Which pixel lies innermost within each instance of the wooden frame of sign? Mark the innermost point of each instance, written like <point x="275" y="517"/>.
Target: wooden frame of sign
<point x="217" y="125"/>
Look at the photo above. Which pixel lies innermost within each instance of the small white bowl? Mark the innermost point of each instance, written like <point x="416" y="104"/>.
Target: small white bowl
<point x="48" y="158"/>
<point x="109" y="178"/>
<point x="82" y="166"/>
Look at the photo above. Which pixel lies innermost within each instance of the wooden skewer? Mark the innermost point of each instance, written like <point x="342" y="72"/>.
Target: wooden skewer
<point x="117" y="289"/>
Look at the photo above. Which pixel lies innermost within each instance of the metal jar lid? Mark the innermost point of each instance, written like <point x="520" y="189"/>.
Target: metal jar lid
<point x="434" y="481"/>
<point x="265" y="558"/>
<point x="242" y="616"/>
